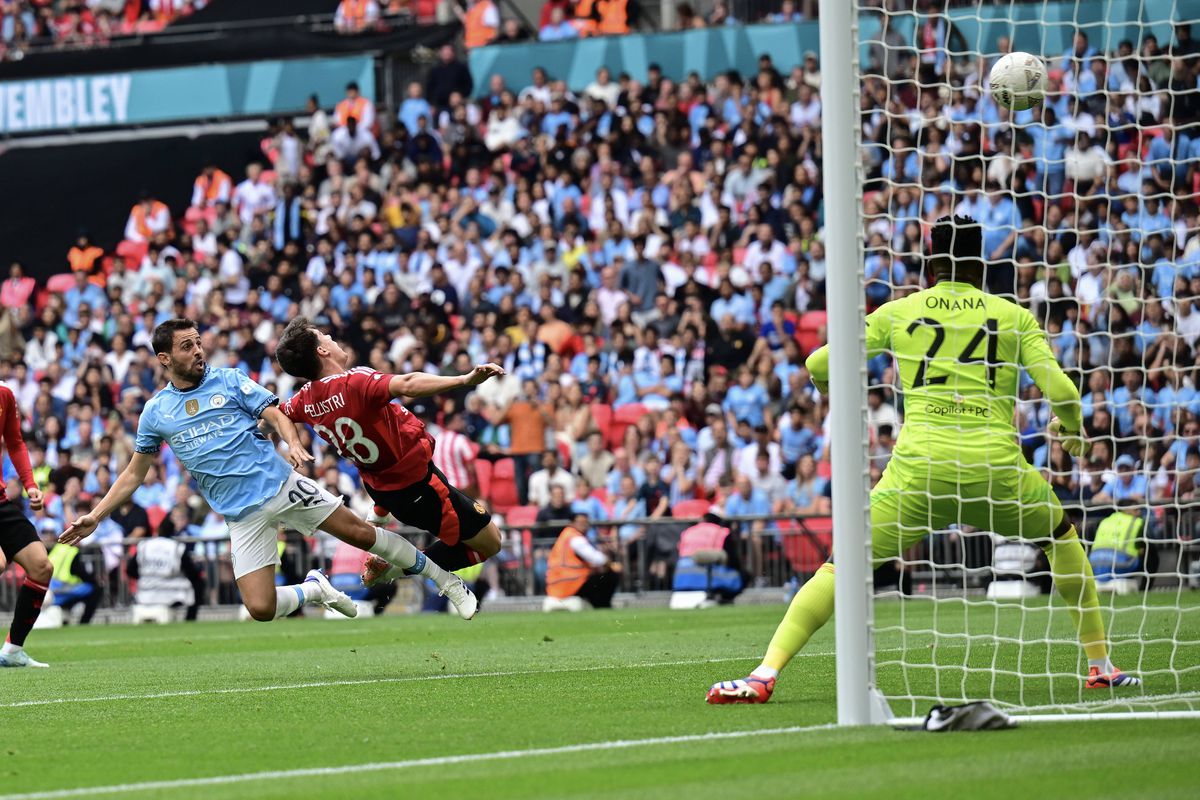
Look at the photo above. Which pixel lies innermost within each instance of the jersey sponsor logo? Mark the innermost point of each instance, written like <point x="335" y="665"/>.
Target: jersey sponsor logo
<point x="192" y="407"/>
<point x="330" y="404"/>
<point x="217" y="401"/>
<point x="954" y="303"/>
<point x="192" y="437"/>
<point x="960" y="409"/>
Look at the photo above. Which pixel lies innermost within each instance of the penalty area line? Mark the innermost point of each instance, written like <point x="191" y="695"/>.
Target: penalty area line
<point x="382" y="766"/>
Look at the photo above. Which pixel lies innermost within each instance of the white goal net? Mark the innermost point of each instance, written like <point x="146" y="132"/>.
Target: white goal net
<point x="1090" y="207"/>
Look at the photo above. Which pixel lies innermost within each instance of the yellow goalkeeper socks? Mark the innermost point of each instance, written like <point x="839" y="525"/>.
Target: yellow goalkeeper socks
<point x="1077" y="586"/>
<point x="810" y="609"/>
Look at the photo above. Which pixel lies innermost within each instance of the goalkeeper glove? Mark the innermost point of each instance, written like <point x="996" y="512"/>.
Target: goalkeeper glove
<point x="822" y="386"/>
<point x="1072" y="441"/>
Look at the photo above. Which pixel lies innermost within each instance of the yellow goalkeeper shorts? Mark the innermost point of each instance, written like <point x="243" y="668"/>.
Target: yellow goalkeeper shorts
<point x="909" y="504"/>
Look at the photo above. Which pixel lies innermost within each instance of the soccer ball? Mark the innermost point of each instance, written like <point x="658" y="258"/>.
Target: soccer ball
<point x="1018" y="81"/>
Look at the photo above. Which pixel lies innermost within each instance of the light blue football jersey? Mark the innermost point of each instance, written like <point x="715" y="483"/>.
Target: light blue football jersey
<point x="213" y="431"/>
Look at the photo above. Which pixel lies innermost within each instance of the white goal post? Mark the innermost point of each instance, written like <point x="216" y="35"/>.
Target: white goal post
<point x="1098" y="234"/>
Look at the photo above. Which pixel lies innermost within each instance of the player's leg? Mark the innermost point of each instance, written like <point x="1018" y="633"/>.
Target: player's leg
<point x="1032" y="510"/>
<point x="33" y="559"/>
<point x="255" y="556"/>
<point x="812" y="606"/>
<point x="401" y="557"/>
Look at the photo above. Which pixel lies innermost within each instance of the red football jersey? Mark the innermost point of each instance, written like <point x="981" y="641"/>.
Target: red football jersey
<point x="354" y="412"/>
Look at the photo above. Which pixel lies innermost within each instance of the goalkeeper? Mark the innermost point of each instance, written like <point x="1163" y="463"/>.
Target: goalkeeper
<point x="960" y="352"/>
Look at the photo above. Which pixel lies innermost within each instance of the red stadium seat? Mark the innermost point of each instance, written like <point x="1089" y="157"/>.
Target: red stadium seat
<point x="156" y="516"/>
<point x="520" y="516"/>
<point x="807" y="543"/>
<point x="58" y="284"/>
<point x="623" y="417"/>
<point x="132" y="252"/>
<point x="824" y="469"/>
<point x="602" y="413"/>
<point x="503" y="494"/>
<point x="690" y="509"/>
<point x="483" y="477"/>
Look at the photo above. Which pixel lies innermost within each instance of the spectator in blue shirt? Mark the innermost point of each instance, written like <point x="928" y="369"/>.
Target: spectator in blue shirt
<point x="557" y="29"/>
<point x="414" y="107"/>
<point x="747" y="399"/>
<point x="83" y="292"/>
<point x="1127" y="485"/>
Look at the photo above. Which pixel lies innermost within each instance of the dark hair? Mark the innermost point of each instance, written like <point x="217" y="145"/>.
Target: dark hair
<point x="297" y="349"/>
<point x="163" y="338"/>
<point x="956" y="245"/>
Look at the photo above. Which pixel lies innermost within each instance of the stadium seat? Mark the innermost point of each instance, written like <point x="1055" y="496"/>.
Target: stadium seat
<point x="623" y="417"/>
<point x="503" y="494"/>
<point x="690" y="509"/>
<point x="602" y="413"/>
<point x="515" y="518"/>
<point x="824" y="469"/>
<point x="807" y="543"/>
<point x="483" y="477"/>
<point x="57" y="284"/>
<point x="133" y="252"/>
<point x="155" y="516"/>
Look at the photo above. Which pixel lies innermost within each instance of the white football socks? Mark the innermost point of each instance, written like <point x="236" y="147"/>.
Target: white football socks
<point x="400" y="553"/>
<point x="289" y="598"/>
<point x="765" y="672"/>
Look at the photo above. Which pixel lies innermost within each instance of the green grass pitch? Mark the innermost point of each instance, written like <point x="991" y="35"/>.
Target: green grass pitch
<point x="434" y="707"/>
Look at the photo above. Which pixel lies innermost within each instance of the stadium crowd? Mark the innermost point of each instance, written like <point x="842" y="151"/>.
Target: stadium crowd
<point x="31" y="24"/>
<point x="645" y="259"/>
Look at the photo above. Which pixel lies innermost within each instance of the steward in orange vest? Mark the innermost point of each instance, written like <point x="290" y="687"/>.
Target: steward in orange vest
<point x="614" y="17"/>
<point x="577" y="569"/>
<point x="481" y="24"/>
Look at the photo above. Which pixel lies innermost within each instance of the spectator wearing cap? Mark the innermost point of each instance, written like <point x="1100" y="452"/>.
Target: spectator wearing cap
<point x="1128" y="485"/>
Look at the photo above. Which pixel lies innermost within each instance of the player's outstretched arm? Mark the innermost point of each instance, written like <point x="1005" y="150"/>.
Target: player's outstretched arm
<point x="121" y="491"/>
<point x="421" y="384"/>
<point x="296" y="455"/>
<point x="1038" y="360"/>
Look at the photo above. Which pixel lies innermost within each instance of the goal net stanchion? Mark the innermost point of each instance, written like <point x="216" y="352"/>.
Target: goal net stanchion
<point x="1099" y="238"/>
<point x="859" y="702"/>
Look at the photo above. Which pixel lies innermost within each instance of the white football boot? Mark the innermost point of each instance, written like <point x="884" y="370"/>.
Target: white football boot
<point x="460" y="596"/>
<point x="19" y="658"/>
<point x="331" y="597"/>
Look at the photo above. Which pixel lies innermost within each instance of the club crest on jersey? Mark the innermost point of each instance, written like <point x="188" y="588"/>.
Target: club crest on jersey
<point x="479" y="509"/>
<point x="217" y="401"/>
<point x="192" y="407"/>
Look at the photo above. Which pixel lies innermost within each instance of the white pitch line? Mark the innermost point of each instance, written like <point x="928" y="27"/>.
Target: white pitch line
<point x="380" y="766"/>
<point x="369" y="681"/>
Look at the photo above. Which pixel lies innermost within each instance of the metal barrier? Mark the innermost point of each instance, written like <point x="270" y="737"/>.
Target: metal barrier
<point x="772" y="551"/>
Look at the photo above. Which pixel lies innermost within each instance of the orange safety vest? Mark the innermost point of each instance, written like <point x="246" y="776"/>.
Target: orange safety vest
<point x="211" y="187"/>
<point x="139" y="218"/>
<point x="475" y="33"/>
<point x="83" y="260"/>
<point x="566" y="572"/>
<point x="614" y="16"/>
<point x="583" y="21"/>
<point x="355" y="13"/>
<point x="350" y="108"/>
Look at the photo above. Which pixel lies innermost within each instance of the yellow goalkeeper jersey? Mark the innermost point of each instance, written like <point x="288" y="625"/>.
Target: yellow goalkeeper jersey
<point x="960" y="352"/>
